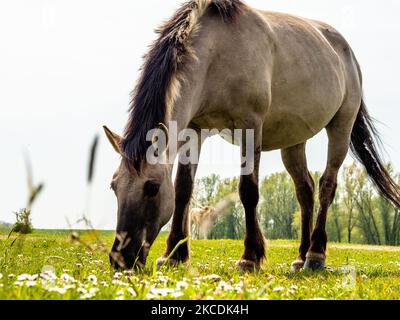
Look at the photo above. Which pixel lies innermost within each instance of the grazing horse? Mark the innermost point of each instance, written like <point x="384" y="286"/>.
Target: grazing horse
<point x="221" y="64"/>
<point x="203" y="220"/>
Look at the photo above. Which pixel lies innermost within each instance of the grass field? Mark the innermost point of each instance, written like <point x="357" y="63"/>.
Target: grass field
<point x="47" y="265"/>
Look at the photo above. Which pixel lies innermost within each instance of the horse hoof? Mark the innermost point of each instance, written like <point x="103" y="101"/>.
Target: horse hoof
<point x="244" y="265"/>
<point x="297" y="265"/>
<point x="161" y="262"/>
<point x="315" y="262"/>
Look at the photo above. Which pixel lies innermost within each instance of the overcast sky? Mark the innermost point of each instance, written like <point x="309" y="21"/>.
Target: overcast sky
<point x="67" y="68"/>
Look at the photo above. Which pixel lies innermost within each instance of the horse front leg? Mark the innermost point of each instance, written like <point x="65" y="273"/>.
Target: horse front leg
<point x="254" y="243"/>
<point x="180" y="229"/>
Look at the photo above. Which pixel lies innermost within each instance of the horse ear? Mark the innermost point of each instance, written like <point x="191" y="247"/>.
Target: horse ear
<point x="115" y="140"/>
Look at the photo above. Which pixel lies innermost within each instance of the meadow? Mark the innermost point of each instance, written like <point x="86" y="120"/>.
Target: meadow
<point x="49" y="265"/>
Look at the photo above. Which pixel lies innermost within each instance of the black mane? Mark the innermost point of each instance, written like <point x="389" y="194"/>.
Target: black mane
<point x="162" y="66"/>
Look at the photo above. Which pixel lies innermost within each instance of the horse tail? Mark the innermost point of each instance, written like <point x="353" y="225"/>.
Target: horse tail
<point x="364" y="139"/>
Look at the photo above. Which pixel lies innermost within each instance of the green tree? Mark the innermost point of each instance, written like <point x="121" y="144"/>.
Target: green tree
<point x="366" y="206"/>
<point x="348" y="198"/>
<point x="334" y="221"/>
<point x="278" y="206"/>
<point x="230" y="222"/>
<point x="205" y="191"/>
<point x="390" y="218"/>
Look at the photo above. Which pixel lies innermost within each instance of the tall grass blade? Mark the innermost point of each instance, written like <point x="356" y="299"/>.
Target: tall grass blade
<point x="92" y="159"/>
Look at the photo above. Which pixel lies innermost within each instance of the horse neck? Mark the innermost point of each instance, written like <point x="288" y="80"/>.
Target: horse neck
<point x="185" y="108"/>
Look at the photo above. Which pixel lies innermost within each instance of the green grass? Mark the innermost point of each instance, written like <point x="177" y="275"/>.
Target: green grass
<point x="4" y="229"/>
<point x="49" y="266"/>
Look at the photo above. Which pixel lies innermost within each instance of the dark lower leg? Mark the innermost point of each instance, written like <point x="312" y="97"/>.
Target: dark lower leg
<point x="319" y="239"/>
<point x="317" y="253"/>
<point x="305" y="196"/>
<point x="184" y="184"/>
<point x="254" y="242"/>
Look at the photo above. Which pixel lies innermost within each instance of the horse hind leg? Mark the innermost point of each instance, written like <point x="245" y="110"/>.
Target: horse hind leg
<point x="295" y="162"/>
<point x="339" y="134"/>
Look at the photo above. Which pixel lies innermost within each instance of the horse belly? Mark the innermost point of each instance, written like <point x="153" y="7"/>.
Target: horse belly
<point x="287" y="130"/>
<point x="308" y="86"/>
<point x="295" y="116"/>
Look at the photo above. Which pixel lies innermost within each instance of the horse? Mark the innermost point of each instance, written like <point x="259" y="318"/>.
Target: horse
<point x="203" y="219"/>
<point x="221" y="64"/>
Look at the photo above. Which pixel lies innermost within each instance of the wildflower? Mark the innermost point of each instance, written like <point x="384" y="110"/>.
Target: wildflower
<point x="23" y="277"/>
<point x="270" y="277"/>
<point x="93" y="279"/>
<point x="278" y="289"/>
<point x="294" y="287"/>
<point x="163" y="280"/>
<point x="212" y="278"/>
<point x="11" y="275"/>
<point x="150" y="296"/>
<point x="120" y="283"/>
<point x="57" y="289"/>
<point x="182" y="285"/>
<point x="1" y="276"/>
<point x="177" y="294"/>
<point x="132" y="292"/>
<point x="117" y="275"/>
<point x="67" y="278"/>
<point x="161" y="292"/>
<point x="128" y="272"/>
<point x="48" y="275"/>
<point x="133" y="279"/>
<point x="239" y="288"/>
<point x="225" y="286"/>
<point x="30" y="283"/>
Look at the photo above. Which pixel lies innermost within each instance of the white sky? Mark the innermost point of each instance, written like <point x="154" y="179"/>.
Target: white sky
<point x="67" y="68"/>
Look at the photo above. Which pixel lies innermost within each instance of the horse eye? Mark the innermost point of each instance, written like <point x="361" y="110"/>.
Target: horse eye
<point x="151" y="188"/>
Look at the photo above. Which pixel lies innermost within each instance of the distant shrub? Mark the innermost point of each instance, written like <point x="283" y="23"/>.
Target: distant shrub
<point x="23" y="222"/>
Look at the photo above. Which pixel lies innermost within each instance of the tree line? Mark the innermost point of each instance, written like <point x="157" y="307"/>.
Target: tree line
<point x="357" y="215"/>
